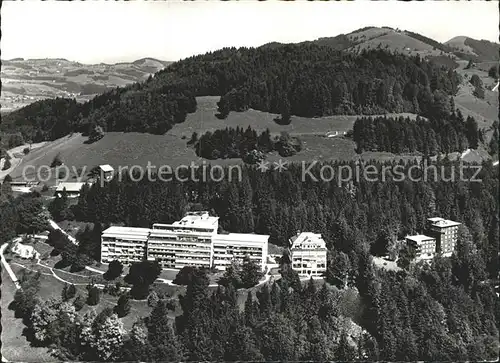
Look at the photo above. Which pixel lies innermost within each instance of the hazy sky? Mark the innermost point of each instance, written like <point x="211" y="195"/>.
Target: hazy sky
<point x="98" y="31"/>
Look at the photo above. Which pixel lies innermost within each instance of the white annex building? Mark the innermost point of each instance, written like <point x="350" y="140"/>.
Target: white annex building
<point x="192" y="241"/>
<point x="107" y="171"/>
<point x="425" y="246"/>
<point x="308" y="254"/>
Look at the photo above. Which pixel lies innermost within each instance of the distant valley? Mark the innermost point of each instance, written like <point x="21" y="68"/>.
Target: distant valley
<point x="28" y="80"/>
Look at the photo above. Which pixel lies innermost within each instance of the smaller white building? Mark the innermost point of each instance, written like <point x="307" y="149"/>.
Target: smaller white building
<point x="107" y="171"/>
<point x="425" y="246"/>
<point x="308" y="254"/>
<point x="236" y="246"/>
<point x="25" y="251"/>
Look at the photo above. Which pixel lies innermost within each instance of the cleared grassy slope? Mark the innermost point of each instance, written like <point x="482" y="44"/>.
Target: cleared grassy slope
<point x="128" y="149"/>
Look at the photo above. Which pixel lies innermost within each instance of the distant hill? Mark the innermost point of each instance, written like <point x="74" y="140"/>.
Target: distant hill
<point x="480" y="50"/>
<point x="150" y="62"/>
<point x="27" y="80"/>
<point x="411" y="43"/>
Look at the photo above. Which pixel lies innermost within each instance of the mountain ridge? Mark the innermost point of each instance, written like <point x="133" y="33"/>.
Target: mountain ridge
<point x="412" y="43"/>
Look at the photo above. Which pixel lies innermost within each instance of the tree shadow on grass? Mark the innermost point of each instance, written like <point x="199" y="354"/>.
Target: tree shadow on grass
<point x="61" y="264"/>
<point x="29" y="334"/>
<point x="282" y="122"/>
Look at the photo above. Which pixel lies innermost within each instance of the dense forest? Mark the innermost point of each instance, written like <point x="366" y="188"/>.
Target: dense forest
<point x="443" y="311"/>
<point x="300" y="79"/>
<point x="315" y="80"/>
<point x="408" y="317"/>
<point x="346" y="214"/>
<point x="434" y="136"/>
<point x="239" y="143"/>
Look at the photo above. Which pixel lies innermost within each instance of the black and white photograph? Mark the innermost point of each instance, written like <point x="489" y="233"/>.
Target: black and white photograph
<point x="249" y="181"/>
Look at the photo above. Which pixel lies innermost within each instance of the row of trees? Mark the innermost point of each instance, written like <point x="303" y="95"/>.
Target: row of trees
<point x="478" y="86"/>
<point x="431" y="137"/>
<point x="239" y="143"/>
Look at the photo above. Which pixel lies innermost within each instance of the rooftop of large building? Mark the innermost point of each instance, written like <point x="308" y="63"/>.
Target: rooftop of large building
<point x="123" y="232"/>
<point x="441" y="222"/>
<point x="241" y="238"/>
<point x="420" y="238"/>
<point x="201" y="219"/>
<point x="308" y="240"/>
<point x="192" y="220"/>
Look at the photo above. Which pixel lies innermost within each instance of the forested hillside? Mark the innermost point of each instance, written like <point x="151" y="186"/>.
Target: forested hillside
<point x="435" y="136"/>
<point x="305" y="80"/>
<point x="306" y="323"/>
<point x="310" y="80"/>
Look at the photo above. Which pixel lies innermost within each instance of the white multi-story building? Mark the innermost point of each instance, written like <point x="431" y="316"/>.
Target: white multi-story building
<point x="187" y="242"/>
<point x="446" y="234"/>
<point x="192" y="241"/>
<point x="125" y="244"/>
<point x="425" y="246"/>
<point x="308" y="254"/>
<point x="236" y="246"/>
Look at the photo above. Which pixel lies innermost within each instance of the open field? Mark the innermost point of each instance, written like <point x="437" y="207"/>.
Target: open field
<point x="128" y="149"/>
<point x="204" y="120"/>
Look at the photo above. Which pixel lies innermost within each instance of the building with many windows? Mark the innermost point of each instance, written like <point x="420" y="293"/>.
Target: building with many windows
<point x="446" y="234"/>
<point x="235" y="246"/>
<point x="308" y="253"/>
<point x="192" y="241"/>
<point x="125" y="244"/>
<point x="424" y="246"/>
<point x="187" y="242"/>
